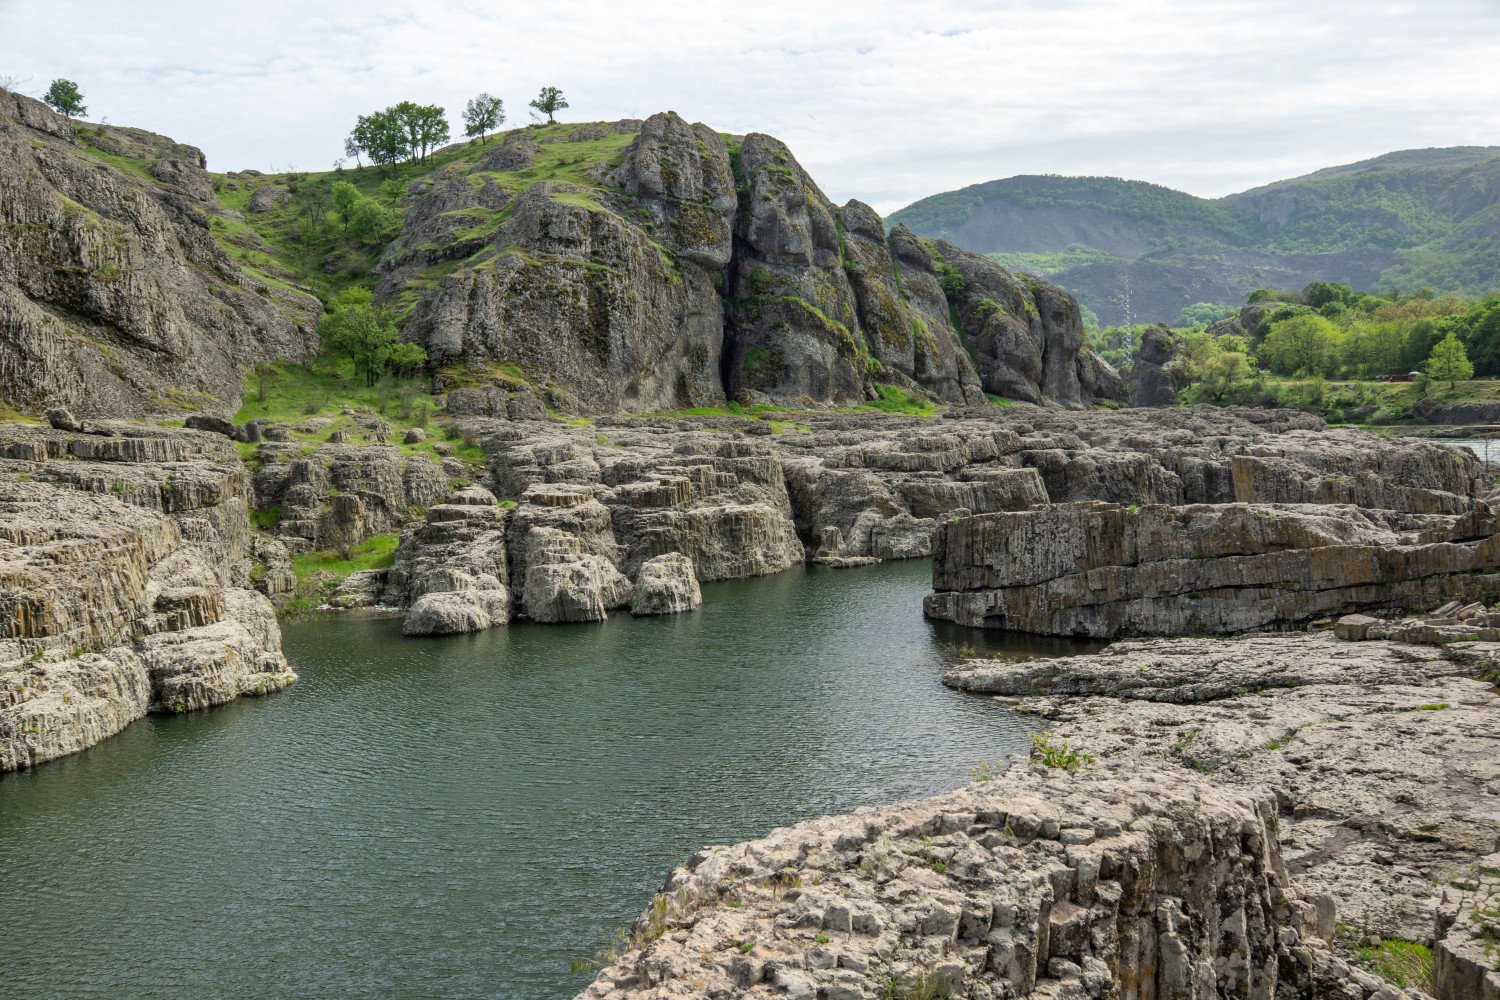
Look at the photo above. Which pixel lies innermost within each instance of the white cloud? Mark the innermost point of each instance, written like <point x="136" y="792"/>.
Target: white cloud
<point x="883" y="101"/>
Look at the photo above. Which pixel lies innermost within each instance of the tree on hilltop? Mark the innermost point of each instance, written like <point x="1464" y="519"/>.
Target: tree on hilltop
<point x="483" y="115"/>
<point x="1450" y="362"/>
<point x="549" y="102"/>
<point x="65" y="98"/>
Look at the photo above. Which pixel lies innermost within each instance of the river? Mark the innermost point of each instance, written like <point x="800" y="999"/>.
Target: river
<point x="462" y="817"/>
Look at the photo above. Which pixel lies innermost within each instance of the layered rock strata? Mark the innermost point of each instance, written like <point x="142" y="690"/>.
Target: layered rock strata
<point x="1033" y="885"/>
<point x="1383" y="756"/>
<point x="1102" y="570"/>
<point x="125" y="575"/>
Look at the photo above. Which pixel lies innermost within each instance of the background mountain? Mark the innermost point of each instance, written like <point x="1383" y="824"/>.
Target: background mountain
<point x="1135" y="252"/>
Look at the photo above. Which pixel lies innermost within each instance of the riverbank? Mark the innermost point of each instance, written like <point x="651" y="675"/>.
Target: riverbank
<point x="1269" y="815"/>
<point x="464" y="817"/>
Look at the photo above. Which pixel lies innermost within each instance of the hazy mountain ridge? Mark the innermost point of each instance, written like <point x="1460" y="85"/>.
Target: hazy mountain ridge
<point x="1134" y="251"/>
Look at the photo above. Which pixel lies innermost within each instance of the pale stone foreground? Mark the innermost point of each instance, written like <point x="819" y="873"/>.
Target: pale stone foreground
<point x="1245" y="797"/>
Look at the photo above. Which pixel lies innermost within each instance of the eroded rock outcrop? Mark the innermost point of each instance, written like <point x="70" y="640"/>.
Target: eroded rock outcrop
<point x="1102" y="570"/>
<point x="1382" y="755"/>
<point x="125" y="574"/>
<point x="666" y="585"/>
<point x="340" y="494"/>
<point x="1032" y="885"/>
<point x="115" y="299"/>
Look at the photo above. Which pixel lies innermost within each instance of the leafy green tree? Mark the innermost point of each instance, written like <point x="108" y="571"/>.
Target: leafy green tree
<point x="1479" y="329"/>
<point x="549" y="102"/>
<point x="405" y="358"/>
<point x="382" y="137"/>
<point x="65" y="98"/>
<point x="1203" y="313"/>
<point x="483" y="115"/>
<point x="370" y="222"/>
<point x="1300" y="345"/>
<point x="346" y="198"/>
<point x="432" y="128"/>
<point x="1421" y="337"/>
<point x="356" y="328"/>
<point x="1449" y="363"/>
<point x="1320" y="293"/>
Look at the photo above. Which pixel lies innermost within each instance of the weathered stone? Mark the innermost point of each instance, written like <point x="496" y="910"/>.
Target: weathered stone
<point x="1102" y="570"/>
<point x="666" y="585"/>
<point x="115" y="298"/>
<point x="124" y="575"/>
<point x="1182" y="892"/>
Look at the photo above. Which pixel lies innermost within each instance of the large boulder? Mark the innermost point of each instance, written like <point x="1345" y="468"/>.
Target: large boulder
<point x="666" y="585"/>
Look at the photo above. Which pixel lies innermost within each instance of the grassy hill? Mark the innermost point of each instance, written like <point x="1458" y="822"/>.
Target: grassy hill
<point x="1138" y="252"/>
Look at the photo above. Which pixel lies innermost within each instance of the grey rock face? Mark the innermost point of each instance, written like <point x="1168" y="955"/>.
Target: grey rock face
<point x="1101" y="570"/>
<point x="1026" y="334"/>
<point x="459" y="549"/>
<point x="1087" y="886"/>
<point x="124" y="574"/>
<point x="342" y="494"/>
<point x="566" y="584"/>
<point x="666" y="585"/>
<point x="452" y="612"/>
<point x="700" y="269"/>
<point x="93" y="255"/>
<point x="1148" y="382"/>
<point x="1376" y="751"/>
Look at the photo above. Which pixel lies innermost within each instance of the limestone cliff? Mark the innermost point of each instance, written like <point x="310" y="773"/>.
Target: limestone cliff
<point x="125" y="575"/>
<point x="115" y="298"/>
<point x="652" y="265"/>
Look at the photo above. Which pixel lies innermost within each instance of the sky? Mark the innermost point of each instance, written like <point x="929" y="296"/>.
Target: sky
<point x="882" y="101"/>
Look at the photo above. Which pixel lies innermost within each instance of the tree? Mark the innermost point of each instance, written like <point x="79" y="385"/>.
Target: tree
<point x="549" y="102"/>
<point x="358" y="329"/>
<point x="1203" y="313"/>
<point x="482" y="115"/>
<point x="1449" y="362"/>
<point x="64" y="98"/>
<point x="346" y="198"/>
<point x="381" y="135"/>
<point x="370" y="222"/>
<point x="1300" y="345"/>
<point x="432" y="128"/>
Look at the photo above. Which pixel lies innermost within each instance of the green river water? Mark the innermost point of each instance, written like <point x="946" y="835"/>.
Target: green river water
<point x="462" y="817"/>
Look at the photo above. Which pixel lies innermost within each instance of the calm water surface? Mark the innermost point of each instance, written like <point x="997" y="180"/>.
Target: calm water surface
<point x="462" y="817"/>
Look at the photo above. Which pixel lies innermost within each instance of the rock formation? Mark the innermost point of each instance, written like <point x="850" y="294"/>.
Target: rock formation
<point x="1102" y="570"/>
<point x="696" y="268"/>
<point x="666" y="585"/>
<point x="1381" y="754"/>
<point x="340" y="494"/>
<point x="1147" y="380"/>
<point x="115" y="298"/>
<point x="125" y="573"/>
<point x="1031" y="885"/>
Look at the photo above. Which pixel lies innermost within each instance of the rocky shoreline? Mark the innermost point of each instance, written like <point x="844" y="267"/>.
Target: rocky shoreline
<point x="125" y="585"/>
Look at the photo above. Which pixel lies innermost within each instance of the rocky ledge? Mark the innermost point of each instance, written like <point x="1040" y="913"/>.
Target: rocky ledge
<point x="1103" y="570"/>
<point x="1383" y="755"/>
<point x="125" y="585"/>
<point x="1135" y="883"/>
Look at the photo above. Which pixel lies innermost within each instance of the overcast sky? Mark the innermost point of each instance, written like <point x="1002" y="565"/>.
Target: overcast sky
<point x="882" y="101"/>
